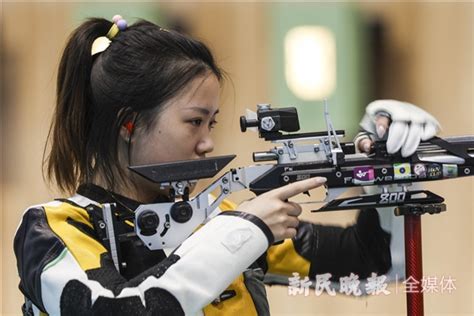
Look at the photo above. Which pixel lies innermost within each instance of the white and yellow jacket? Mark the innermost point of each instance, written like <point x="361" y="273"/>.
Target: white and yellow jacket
<point x="65" y="269"/>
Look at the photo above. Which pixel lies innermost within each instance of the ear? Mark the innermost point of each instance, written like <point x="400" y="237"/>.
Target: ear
<point x="126" y="131"/>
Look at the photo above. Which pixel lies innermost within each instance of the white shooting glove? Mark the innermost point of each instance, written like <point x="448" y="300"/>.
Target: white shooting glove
<point x="409" y="126"/>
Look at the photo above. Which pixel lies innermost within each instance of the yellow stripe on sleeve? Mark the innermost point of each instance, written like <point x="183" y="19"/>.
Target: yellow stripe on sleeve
<point x="86" y="250"/>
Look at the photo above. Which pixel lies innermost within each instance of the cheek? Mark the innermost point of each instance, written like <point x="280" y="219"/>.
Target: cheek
<point x="182" y="142"/>
<point x="172" y="144"/>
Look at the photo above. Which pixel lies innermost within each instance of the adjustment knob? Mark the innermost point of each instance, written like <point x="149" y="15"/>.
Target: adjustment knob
<point x="148" y="222"/>
<point x="181" y="212"/>
<point x="244" y="123"/>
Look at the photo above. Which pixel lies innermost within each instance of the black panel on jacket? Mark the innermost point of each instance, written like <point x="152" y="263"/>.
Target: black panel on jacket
<point x="138" y="257"/>
<point x="108" y="276"/>
<point x="76" y="300"/>
<point x="35" y="246"/>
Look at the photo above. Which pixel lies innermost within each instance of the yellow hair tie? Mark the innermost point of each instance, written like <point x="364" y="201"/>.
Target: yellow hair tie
<point x="113" y="31"/>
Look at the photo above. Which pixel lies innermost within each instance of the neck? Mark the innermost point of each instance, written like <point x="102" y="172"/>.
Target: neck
<point x="132" y="186"/>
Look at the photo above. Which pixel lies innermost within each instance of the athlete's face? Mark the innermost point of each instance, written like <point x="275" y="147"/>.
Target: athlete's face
<point x="183" y="129"/>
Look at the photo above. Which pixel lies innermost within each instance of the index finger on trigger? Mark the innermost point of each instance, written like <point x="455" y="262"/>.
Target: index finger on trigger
<point x="296" y="188"/>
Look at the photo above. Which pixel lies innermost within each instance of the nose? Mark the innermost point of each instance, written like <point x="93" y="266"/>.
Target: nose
<point x="205" y="145"/>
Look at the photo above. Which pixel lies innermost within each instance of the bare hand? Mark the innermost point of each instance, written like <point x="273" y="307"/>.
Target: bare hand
<point x="273" y="207"/>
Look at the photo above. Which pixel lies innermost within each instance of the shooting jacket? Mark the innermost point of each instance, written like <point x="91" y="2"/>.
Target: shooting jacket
<point x="65" y="267"/>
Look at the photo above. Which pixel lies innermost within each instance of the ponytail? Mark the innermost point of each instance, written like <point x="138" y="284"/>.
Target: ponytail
<point x="71" y="123"/>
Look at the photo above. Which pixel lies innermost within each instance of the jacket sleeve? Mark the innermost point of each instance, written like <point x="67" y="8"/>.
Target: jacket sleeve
<point x="64" y="270"/>
<point x="362" y="248"/>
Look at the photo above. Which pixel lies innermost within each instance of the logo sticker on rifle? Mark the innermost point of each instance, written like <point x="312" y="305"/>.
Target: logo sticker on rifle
<point x="267" y="123"/>
<point x="450" y="171"/>
<point x="434" y="171"/>
<point x="419" y="170"/>
<point x="401" y="171"/>
<point x="363" y="175"/>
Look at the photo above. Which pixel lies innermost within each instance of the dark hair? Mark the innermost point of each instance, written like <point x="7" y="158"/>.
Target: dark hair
<point x="143" y="68"/>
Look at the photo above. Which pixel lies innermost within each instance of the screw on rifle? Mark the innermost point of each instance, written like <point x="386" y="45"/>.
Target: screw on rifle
<point x="263" y="106"/>
<point x="280" y="151"/>
<point x="225" y="180"/>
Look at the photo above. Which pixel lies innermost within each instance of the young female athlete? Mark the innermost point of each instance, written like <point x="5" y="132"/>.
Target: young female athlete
<point x="140" y="95"/>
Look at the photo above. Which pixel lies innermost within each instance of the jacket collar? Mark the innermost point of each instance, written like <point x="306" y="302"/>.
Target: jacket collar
<point x="101" y="195"/>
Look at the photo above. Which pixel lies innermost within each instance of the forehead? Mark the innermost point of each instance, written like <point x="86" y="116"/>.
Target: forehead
<point x="201" y="94"/>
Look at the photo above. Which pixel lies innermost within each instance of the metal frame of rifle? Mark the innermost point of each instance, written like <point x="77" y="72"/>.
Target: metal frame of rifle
<point x="163" y="225"/>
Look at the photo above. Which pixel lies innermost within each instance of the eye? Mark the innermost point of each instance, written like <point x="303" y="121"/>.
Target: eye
<point x="196" y="122"/>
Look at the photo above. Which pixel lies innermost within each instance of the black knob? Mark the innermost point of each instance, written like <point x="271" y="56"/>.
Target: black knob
<point x="181" y="212"/>
<point x="244" y="123"/>
<point x="148" y="222"/>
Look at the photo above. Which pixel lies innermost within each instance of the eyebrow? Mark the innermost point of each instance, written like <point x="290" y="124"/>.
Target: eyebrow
<point x="203" y="111"/>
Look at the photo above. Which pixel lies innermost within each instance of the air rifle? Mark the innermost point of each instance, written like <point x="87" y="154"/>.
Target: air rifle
<point x="296" y="157"/>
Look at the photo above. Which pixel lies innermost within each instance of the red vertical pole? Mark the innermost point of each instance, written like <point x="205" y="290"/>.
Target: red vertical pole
<point x="413" y="264"/>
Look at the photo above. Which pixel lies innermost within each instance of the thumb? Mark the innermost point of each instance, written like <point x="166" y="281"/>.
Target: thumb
<point x="381" y="125"/>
